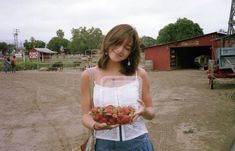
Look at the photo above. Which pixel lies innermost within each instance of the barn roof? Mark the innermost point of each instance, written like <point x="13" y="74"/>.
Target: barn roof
<point x="225" y="37"/>
<point x="44" y="50"/>
<point x="222" y="34"/>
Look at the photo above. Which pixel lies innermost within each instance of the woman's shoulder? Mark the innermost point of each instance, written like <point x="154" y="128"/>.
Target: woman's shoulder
<point x="141" y="72"/>
<point x="91" y="71"/>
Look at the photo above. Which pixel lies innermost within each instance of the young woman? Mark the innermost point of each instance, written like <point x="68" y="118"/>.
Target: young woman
<point x="119" y="81"/>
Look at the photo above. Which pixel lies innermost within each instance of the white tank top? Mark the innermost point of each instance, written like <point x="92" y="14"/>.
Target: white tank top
<point x="124" y="94"/>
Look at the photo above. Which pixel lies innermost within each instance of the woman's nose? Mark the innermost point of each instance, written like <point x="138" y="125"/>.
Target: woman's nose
<point x="120" y="49"/>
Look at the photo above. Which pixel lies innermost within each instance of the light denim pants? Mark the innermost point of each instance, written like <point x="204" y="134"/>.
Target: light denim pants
<point x="140" y="143"/>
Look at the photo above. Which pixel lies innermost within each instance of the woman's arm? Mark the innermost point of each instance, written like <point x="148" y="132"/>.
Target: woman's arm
<point x="86" y="98"/>
<point x="147" y="110"/>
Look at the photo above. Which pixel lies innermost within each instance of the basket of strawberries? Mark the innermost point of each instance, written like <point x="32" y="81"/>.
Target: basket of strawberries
<point x="113" y="115"/>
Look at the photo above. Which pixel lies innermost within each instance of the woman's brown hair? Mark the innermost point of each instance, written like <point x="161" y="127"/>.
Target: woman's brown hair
<point x="116" y="36"/>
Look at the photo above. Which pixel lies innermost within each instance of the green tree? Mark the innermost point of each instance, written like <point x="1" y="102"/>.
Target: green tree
<point x="33" y="43"/>
<point x="57" y="42"/>
<point x="60" y="33"/>
<point x="147" y="41"/>
<point x="3" y="47"/>
<point x="83" y="39"/>
<point x="182" y="29"/>
<point x="39" y="44"/>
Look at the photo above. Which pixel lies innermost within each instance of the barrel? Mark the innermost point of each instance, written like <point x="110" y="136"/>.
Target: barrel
<point x="148" y="65"/>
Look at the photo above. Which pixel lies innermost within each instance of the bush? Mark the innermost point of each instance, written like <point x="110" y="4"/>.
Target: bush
<point x="28" y="65"/>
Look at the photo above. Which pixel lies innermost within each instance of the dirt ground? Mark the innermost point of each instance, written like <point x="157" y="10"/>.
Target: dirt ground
<point x="40" y="111"/>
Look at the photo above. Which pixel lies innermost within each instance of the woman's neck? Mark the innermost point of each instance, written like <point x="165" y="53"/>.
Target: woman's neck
<point x="113" y="67"/>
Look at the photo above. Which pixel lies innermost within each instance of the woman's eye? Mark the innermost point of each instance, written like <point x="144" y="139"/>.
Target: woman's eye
<point x="128" y="48"/>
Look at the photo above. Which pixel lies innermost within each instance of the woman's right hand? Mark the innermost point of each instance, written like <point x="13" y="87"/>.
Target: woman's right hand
<point x="103" y="126"/>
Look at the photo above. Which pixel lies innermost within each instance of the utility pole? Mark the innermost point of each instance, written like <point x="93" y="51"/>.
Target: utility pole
<point x="16" y="31"/>
<point x="231" y="22"/>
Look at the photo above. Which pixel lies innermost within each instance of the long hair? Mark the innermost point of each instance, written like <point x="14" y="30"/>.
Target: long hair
<point x="116" y="36"/>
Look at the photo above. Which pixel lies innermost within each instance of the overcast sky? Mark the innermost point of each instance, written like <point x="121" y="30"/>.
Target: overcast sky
<point x="42" y="18"/>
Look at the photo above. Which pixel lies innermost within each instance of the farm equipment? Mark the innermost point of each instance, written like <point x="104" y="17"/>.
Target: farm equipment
<point x="223" y="66"/>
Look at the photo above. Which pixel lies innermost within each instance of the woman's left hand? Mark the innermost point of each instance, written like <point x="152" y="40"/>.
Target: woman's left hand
<point x="140" y="111"/>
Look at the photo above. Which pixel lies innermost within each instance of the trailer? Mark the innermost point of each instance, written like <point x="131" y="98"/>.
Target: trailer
<point x="223" y="66"/>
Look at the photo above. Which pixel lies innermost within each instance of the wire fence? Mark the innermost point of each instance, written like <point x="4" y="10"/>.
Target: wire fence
<point x="58" y="62"/>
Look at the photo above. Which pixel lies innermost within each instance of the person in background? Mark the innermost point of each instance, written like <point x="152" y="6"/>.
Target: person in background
<point x="6" y="64"/>
<point x="13" y="64"/>
<point x="119" y="59"/>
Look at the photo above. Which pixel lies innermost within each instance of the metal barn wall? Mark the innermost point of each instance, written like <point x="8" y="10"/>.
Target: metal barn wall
<point x="160" y="54"/>
<point x="160" y="57"/>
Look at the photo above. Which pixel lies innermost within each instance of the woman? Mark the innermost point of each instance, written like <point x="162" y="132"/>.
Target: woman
<point x="119" y="81"/>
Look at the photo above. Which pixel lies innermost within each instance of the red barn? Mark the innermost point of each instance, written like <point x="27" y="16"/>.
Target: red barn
<point x="181" y="54"/>
<point x="40" y="54"/>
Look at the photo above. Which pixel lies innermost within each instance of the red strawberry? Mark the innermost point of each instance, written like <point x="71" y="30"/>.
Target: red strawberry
<point x="108" y="110"/>
<point x="125" y="119"/>
<point x="97" y="117"/>
<point x="111" y="121"/>
<point x="95" y="110"/>
<point x="103" y="120"/>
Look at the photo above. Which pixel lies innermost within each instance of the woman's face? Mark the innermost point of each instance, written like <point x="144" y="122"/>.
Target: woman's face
<point x="118" y="53"/>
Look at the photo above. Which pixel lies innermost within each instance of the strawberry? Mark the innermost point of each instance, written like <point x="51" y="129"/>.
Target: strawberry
<point x="111" y="121"/>
<point x="113" y="115"/>
<point x="103" y="120"/>
<point x="95" y="110"/>
<point x="125" y="119"/>
<point x="108" y="110"/>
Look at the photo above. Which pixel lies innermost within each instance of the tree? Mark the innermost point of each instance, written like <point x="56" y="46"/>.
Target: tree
<point x="56" y="42"/>
<point x="3" y="47"/>
<point x="83" y="39"/>
<point x="33" y="43"/>
<point x="182" y="29"/>
<point x="147" y="41"/>
<point x="60" y="33"/>
<point x="39" y="44"/>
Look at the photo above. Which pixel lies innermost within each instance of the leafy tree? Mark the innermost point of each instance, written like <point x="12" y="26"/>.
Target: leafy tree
<point x="147" y="41"/>
<point x="39" y="44"/>
<point x="182" y="29"/>
<point x="56" y="42"/>
<point x="83" y="39"/>
<point x="28" y="45"/>
<point x="11" y="47"/>
<point x="3" y="47"/>
<point x="33" y="43"/>
<point x="60" y="33"/>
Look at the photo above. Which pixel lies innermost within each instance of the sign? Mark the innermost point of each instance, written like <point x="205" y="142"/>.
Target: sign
<point x="33" y="55"/>
<point x="189" y="43"/>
